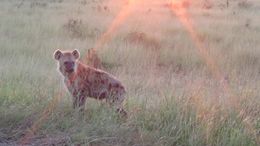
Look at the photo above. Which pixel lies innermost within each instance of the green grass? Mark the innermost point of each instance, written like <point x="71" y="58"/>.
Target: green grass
<point x="173" y="96"/>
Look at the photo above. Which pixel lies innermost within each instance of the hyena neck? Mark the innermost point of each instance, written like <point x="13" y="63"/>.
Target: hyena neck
<point x="66" y="74"/>
<point x="70" y="75"/>
<point x="82" y="66"/>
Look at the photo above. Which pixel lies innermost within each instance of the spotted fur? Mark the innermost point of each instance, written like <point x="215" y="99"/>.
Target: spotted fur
<point x="84" y="81"/>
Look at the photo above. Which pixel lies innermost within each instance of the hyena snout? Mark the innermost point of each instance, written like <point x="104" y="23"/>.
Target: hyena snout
<point x="69" y="66"/>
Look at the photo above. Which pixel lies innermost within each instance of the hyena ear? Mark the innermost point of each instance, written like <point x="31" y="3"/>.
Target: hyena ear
<point x="76" y="54"/>
<point x="57" y="54"/>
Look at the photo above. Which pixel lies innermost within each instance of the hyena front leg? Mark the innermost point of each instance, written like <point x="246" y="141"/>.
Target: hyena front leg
<point x="79" y="101"/>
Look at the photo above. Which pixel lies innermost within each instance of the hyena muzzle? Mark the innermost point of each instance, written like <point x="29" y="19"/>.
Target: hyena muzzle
<point x="84" y="81"/>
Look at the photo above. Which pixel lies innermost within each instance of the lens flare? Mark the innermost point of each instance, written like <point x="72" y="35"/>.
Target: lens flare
<point x="116" y="23"/>
<point x="44" y="116"/>
<point x="183" y="16"/>
<point x="181" y="13"/>
<point x="106" y="37"/>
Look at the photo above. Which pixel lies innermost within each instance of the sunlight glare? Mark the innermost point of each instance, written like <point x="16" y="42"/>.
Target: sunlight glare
<point x="116" y="23"/>
<point x="184" y="18"/>
<point x="233" y="103"/>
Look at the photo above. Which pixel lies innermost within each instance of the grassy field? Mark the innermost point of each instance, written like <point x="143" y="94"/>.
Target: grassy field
<point x="185" y="86"/>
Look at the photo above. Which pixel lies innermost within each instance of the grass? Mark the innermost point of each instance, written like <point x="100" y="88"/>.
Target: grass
<point x="173" y="96"/>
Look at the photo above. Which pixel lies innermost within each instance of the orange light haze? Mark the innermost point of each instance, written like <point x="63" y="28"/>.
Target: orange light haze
<point x="116" y="23"/>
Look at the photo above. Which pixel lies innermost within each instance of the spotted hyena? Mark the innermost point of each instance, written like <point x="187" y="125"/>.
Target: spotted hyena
<point x="84" y="81"/>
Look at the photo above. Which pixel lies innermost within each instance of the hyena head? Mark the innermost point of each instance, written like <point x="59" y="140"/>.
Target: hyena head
<point x="67" y="60"/>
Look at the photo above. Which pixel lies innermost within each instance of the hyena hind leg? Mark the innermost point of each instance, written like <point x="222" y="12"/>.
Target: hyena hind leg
<point x="118" y="103"/>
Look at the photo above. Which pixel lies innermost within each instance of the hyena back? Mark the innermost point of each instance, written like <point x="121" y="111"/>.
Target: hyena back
<point x="84" y="81"/>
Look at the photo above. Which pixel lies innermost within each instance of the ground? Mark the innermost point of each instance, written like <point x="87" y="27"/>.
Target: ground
<point x="191" y="69"/>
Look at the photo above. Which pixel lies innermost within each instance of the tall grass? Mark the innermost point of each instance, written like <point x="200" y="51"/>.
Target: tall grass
<point x="173" y="97"/>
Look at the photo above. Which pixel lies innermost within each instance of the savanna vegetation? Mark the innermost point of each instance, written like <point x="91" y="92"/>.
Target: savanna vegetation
<point x="192" y="78"/>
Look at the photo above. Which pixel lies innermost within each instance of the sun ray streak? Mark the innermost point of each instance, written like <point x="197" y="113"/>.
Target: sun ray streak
<point x="181" y="13"/>
<point x="184" y="18"/>
<point x="105" y="37"/>
<point x="37" y="124"/>
<point x="116" y="23"/>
